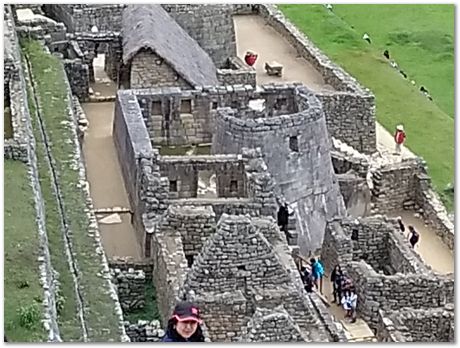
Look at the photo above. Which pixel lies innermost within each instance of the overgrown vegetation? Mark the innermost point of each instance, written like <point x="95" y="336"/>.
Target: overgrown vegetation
<point x="49" y="75"/>
<point x="23" y="293"/>
<point x="420" y="39"/>
<point x="150" y="310"/>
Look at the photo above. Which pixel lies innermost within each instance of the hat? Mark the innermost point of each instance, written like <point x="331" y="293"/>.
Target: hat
<point x="187" y="311"/>
<point x="400" y="127"/>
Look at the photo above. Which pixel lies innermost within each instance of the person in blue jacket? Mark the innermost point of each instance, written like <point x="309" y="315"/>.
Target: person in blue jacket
<point x="317" y="270"/>
<point x="184" y="324"/>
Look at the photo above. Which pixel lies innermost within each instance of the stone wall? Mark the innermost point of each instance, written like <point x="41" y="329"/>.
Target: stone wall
<point x="150" y="70"/>
<point x="211" y="25"/>
<point x="41" y="28"/>
<point x="296" y="149"/>
<point x="238" y="271"/>
<point x="144" y="331"/>
<point x="147" y="191"/>
<point x="345" y="159"/>
<point x="130" y="288"/>
<point x="356" y="194"/>
<point x="409" y="325"/>
<point x="126" y="263"/>
<point x="195" y="225"/>
<point x="394" y="186"/>
<point x="376" y="240"/>
<point x="78" y="75"/>
<point x="170" y="268"/>
<point x="80" y="17"/>
<point x="236" y="72"/>
<point x="184" y="172"/>
<point x="376" y="291"/>
<point x="350" y="110"/>
<point x="176" y="116"/>
<point x="24" y="151"/>
<point x="406" y="185"/>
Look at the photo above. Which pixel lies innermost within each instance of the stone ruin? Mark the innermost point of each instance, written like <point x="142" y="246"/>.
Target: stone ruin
<point x="223" y="249"/>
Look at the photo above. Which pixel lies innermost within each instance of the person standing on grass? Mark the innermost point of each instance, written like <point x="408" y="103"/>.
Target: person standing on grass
<point x="400" y="138"/>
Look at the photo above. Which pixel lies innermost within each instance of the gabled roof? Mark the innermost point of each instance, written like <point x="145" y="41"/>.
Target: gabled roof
<point x="150" y="26"/>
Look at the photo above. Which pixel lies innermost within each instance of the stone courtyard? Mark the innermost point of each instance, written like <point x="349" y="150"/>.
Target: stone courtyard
<point x="201" y="226"/>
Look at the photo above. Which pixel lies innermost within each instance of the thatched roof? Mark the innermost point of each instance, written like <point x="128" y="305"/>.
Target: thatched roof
<point x="150" y="26"/>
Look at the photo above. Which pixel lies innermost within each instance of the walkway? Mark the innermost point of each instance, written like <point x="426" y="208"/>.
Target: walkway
<point x="104" y="172"/>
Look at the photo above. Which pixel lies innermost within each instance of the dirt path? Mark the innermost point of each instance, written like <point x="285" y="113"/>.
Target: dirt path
<point x="253" y="34"/>
<point x="430" y="247"/>
<point x="104" y="173"/>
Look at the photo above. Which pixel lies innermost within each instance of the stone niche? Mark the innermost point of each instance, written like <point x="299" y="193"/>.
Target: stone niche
<point x="219" y="176"/>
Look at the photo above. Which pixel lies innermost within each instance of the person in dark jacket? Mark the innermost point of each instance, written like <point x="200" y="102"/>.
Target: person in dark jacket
<point x="283" y="217"/>
<point x="337" y="279"/>
<point x="413" y="236"/>
<point x="184" y="324"/>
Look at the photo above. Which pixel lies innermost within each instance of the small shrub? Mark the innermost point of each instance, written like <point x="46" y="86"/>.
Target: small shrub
<point x="29" y="316"/>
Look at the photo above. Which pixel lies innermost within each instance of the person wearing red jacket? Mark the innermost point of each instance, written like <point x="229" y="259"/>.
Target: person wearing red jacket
<point x="400" y="137"/>
<point x="250" y="58"/>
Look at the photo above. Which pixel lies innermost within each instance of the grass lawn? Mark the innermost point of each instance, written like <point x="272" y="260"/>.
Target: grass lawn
<point x="69" y="325"/>
<point x="429" y="125"/>
<point x="48" y="73"/>
<point x="21" y="249"/>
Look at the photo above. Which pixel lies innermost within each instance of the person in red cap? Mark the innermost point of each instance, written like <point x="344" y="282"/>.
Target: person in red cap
<point x="400" y="137"/>
<point x="184" y="324"/>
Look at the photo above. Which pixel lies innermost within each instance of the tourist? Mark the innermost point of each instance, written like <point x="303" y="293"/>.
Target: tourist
<point x="184" y="324"/>
<point x="386" y="54"/>
<point x="317" y="271"/>
<point x="413" y="236"/>
<point x="349" y="302"/>
<point x="283" y="217"/>
<point x="307" y="279"/>
<point x="367" y="38"/>
<point x="401" y="224"/>
<point x="337" y="279"/>
<point x="400" y="138"/>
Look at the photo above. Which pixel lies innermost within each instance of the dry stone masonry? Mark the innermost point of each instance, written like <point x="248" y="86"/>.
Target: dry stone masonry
<point x="207" y="223"/>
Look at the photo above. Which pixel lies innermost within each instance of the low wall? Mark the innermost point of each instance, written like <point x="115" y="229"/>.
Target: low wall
<point x="376" y="291"/>
<point x="406" y="185"/>
<point x="170" y="269"/>
<point x="409" y="325"/>
<point x="144" y="331"/>
<point x="78" y="75"/>
<point x="237" y="73"/>
<point x="130" y="288"/>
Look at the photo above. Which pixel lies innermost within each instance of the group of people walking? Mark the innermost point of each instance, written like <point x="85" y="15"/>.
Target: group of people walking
<point x="344" y="292"/>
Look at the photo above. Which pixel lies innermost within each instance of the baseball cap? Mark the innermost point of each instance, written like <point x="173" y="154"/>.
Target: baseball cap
<point x="187" y="311"/>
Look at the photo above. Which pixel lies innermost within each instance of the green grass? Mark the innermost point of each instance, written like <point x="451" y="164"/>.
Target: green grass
<point x="21" y="249"/>
<point x="49" y="75"/>
<point x="69" y="325"/>
<point x="429" y="125"/>
<point x="150" y="310"/>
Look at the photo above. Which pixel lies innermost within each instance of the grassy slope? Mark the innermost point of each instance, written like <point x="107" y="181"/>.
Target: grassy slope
<point x="48" y="72"/>
<point x="21" y="252"/>
<point x="419" y="38"/>
<point x="430" y="130"/>
<point x="68" y="322"/>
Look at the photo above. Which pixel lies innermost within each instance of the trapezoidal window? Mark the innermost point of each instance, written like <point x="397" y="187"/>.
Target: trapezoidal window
<point x="172" y="185"/>
<point x="156" y="108"/>
<point x="233" y="186"/>
<point x="214" y="105"/>
<point x="186" y="106"/>
<point x="294" y="143"/>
